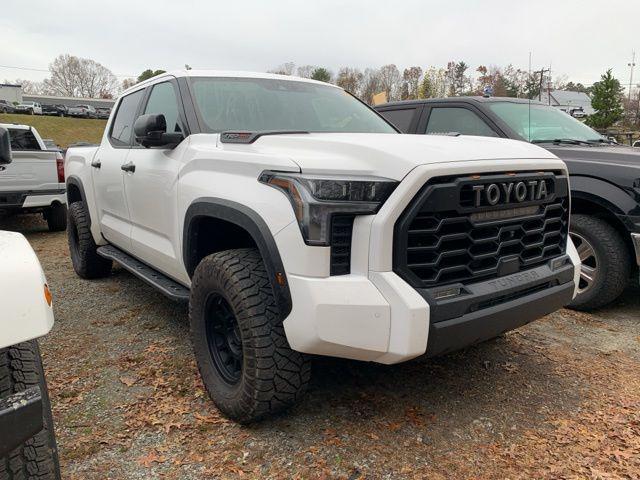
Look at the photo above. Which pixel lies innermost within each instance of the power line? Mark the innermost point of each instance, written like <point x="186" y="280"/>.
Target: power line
<point x="14" y="67"/>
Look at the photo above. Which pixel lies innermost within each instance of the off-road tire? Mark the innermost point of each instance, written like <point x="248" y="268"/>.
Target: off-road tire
<point x="613" y="262"/>
<point x="82" y="249"/>
<point x="56" y="217"/>
<point x="273" y="376"/>
<point x="37" y="458"/>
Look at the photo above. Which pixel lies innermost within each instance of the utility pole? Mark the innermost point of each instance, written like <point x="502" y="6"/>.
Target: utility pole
<point x="541" y="72"/>
<point x="631" y="65"/>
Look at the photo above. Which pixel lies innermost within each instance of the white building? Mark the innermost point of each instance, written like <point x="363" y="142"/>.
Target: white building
<point x="11" y="93"/>
<point x="574" y="103"/>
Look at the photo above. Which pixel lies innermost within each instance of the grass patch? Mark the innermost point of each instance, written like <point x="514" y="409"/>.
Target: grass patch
<point x="63" y="130"/>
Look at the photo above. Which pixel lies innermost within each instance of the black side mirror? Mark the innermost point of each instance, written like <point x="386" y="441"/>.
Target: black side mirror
<point x="151" y="131"/>
<point x="5" y="147"/>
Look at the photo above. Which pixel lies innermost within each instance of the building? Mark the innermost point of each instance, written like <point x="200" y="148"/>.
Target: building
<point x="68" y="101"/>
<point x="11" y="93"/>
<point x="577" y="104"/>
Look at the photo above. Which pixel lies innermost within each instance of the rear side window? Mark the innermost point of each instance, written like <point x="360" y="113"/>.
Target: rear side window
<point x="122" y="127"/>
<point x="163" y="99"/>
<point x="23" y="140"/>
<point x="400" y="118"/>
<point x="443" y="120"/>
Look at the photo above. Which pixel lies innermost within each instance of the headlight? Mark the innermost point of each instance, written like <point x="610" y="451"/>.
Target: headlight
<point x="315" y="199"/>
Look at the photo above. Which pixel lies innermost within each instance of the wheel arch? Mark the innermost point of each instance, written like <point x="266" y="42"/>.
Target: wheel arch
<point x="241" y="227"/>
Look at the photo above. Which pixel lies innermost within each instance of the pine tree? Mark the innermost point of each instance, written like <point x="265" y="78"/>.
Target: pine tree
<point x="606" y="99"/>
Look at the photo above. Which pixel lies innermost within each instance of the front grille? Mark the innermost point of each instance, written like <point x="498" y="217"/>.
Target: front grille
<point x="442" y="239"/>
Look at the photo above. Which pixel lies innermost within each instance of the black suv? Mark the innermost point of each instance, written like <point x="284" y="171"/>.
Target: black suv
<point x="605" y="177"/>
<point x="56" y="110"/>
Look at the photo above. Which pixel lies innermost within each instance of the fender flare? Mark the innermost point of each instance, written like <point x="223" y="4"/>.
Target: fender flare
<point x="608" y="196"/>
<point x="249" y="220"/>
<point x="76" y="182"/>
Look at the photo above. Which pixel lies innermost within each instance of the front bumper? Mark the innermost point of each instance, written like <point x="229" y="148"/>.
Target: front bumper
<point x="20" y="419"/>
<point x="374" y="315"/>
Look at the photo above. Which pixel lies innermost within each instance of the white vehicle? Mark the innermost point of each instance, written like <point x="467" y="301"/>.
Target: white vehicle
<point x="34" y="181"/>
<point x="83" y="111"/>
<point x="27" y="441"/>
<point x="295" y="220"/>
<point x="31" y="108"/>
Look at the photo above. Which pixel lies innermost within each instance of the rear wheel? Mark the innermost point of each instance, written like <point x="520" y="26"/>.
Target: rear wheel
<point x="606" y="262"/>
<point x="56" y="217"/>
<point x="82" y="249"/>
<point x="245" y="361"/>
<point x="37" y="458"/>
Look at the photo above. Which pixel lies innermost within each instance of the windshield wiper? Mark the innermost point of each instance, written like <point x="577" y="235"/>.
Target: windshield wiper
<point x="601" y="141"/>
<point x="569" y="141"/>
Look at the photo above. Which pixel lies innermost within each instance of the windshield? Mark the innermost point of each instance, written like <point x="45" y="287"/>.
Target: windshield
<point x="547" y="123"/>
<point x="259" y="104"/>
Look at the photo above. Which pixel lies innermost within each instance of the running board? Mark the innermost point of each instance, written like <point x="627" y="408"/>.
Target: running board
<point x="167" y="286"/>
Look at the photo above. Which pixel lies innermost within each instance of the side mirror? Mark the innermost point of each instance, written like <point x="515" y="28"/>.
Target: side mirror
<point x="151" y="131"/>
<point x="5" y="147"/>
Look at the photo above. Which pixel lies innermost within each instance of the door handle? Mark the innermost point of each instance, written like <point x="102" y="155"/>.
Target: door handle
<point x="96" y="164"/>
<point x="128" y="167"/>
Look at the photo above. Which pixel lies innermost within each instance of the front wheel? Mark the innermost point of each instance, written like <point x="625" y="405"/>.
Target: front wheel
<point x="245" y="361"/>
<point x="606" y="262"/>
<point x="37" y="458"/>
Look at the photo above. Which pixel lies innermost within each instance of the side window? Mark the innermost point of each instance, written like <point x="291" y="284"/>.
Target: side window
<point x="122" y="127"/>
<point x="23" y="140"/>
<point x="400" y="118"/>
<point x="163" y="99"/>
<point x="457" y="119"/>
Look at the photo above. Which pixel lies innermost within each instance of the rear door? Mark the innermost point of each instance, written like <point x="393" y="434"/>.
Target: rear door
<point x="108" y="176"/>
<point x="31" y="168"/>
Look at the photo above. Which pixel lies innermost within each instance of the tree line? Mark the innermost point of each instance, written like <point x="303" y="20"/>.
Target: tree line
<point x="72" y="76"/>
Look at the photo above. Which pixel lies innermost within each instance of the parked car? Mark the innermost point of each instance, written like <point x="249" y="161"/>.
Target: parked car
<point x="55" y="110"/>
<point x="7" y="107"/>
<point x="27" y="439"/>
<point x="34" y="181"/>
<point x="296" y="221"/>
<point x="605" y="177"/>
<point x="30" y="108"/>
<point x="636" y="143"/>
<point x="82" y="111"/>
<point x="103" y="113"/>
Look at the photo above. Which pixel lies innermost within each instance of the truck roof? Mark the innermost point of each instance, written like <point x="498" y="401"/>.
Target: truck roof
<point x="16" y="126"/>
<point x="476" y="99"/>
<point x="223" y="74"/>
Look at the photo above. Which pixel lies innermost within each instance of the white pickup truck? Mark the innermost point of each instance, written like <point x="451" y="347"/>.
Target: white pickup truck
<point x="34" y="181"/>
<point x="27" y="442"/>
<point x="295" y="220"/>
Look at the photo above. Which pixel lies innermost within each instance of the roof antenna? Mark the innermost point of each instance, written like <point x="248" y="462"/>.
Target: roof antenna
<point x="529" y="95"/>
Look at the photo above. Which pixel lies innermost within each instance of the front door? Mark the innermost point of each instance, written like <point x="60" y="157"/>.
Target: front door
<point x="151" y="189"/>
<point x="108" y="176"/>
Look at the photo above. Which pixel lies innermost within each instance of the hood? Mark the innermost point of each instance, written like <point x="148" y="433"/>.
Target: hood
<point x="606" y="154"/>
<point x="385" y="155"/>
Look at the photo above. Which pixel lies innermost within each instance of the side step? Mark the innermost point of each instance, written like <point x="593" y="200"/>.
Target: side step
<point x="167" y="286"/>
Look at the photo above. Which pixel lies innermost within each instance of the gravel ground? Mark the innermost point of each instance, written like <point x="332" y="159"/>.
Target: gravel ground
<point x="559" y="398"/>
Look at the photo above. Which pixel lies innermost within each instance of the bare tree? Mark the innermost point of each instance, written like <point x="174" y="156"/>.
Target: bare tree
<point x="284" y="69"/>
<point x="29" y="87"/>
<point x="411" y="82"/>
<point x="305" y="71"/>
<point x="389" y="80"/>
<point x="80" y="77"/>
<point x="350" y="79"/>
<point x="128" y="83"/>
<point x="371" y="84"/>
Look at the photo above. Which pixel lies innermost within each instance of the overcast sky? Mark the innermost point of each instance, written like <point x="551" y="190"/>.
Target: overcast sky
<point x="579" y="38"/>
